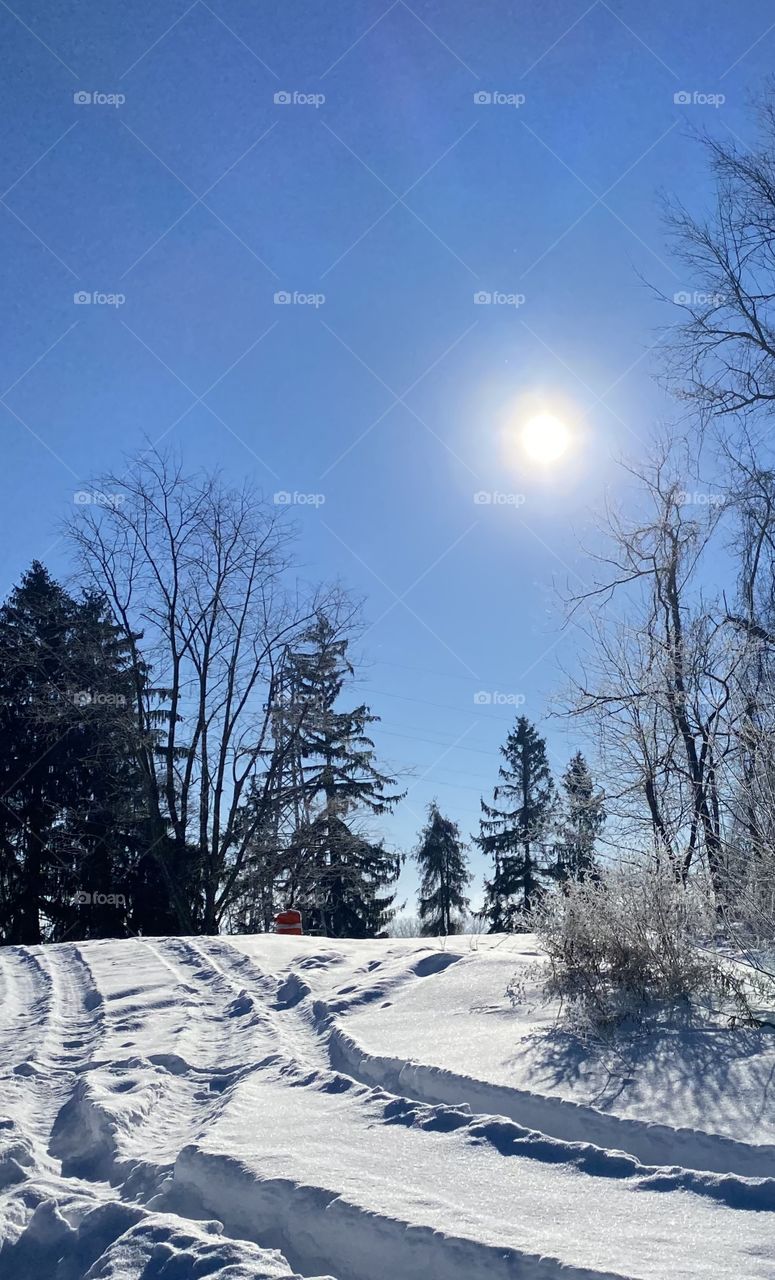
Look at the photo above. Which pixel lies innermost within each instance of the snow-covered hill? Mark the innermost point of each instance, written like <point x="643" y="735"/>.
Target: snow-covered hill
<point x="262" y="1107"/>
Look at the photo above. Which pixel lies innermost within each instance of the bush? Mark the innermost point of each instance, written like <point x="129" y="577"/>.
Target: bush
<point x="405" y="927"/>
<point x="632" y="940"/>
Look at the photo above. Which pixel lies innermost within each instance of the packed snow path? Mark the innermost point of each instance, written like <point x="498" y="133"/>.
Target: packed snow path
<point x="263" y="1107"/>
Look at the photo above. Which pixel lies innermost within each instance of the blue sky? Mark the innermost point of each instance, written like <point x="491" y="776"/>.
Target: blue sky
<point x="381" y="196"/>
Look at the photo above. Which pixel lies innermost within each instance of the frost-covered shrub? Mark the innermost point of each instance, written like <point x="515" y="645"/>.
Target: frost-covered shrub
<point x="405" y="927"/>
<point x="748" y="908"/>
<point x="631" y="939"/>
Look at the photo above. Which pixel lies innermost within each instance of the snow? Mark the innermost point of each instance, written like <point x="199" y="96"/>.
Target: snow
<point x="269" y="1107"/>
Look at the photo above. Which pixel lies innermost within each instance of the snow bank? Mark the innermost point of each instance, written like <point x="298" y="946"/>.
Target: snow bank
<point x="568" y="1122"/>
<point x="117" y="1241"/>
<point x="308" y="1223"/>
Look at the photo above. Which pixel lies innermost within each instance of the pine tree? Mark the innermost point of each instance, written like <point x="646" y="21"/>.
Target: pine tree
<point x="515" y="826"/>
<point x="34" y="630"/>
<point x="581" y="820"/>
<point x="106" y="819"/>
<point x="348" y="875"/>
<point x="66" y="764"/>
<point x="442" y="861"/>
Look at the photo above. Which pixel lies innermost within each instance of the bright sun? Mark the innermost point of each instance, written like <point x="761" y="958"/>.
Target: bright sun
<point x="545" y="438"/>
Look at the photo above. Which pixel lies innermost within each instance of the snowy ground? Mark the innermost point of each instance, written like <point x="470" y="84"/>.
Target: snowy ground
<point x="268" y="1107"/>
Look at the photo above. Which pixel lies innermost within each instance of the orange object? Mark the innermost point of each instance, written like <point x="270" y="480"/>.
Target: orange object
<point x="288" y="922"/>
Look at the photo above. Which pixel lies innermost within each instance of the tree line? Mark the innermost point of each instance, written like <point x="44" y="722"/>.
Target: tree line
<point x="175" y="756"/>
<point x="533" y="835"/>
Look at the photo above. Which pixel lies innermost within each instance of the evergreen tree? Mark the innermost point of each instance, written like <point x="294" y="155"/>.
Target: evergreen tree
<point x="34" y="630"/>
<point x="344" y="876"/>
<point x="66" y="773"/>
<point x="442" y="862"/>
<point x="514" y="828"/>
<point x="581" y="820"/>
<point x="105" y="819"/>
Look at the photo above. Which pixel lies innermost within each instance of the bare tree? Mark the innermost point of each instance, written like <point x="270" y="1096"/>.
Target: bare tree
<point x="724" y="355"/>
<point x="679" y="678"/>
<point x="197" y="578"/>
<point x="661" y="681"/>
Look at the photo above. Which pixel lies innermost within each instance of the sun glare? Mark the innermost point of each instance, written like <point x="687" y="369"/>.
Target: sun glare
<point x="545" y="438"/>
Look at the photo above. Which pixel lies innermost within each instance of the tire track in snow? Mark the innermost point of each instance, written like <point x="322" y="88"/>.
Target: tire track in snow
<point x="26" y="1010"/>
<point x="64" y="1039"/>
<point x="57" y="1005"/>
<point x="127" y="1118"/>
<point x="280" y="1004"/>
<point x="54" y="1015"/>
<point x="187" y="1089"/>
<point x="131" y="1117"/>
<point x="25" y="1003"/>
<point x="436" y="1101"/>
<point x="240" y="1030"/>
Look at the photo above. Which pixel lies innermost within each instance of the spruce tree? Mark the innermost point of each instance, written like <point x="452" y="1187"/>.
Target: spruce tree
<point x="106" y="819"/>
<point x="66" y="765"/>
<point x="514" y="828"/>
<point x="348" y="875"/>
<point x="582" y="818"/>
<point x="442" y="862"/>
<point x="35" y="777"/>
